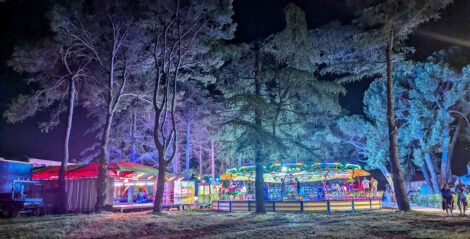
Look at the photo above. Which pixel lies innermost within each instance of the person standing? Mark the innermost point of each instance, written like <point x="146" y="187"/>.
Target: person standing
<point x="342" y="190"/>
<point x="283" y="188"/>
<point x="447" y="199"/>
<point x="138" y="197"/>
<point x="391" y="195"/>
<point x="373" y="186"/>
<point x="298" y="188"/>
<point x="365" y="186"/>
<point x="144" y="196"/>
<point x="461" y="191"/>
<point x="388" y="194"/>
<point x="320" y="193"/>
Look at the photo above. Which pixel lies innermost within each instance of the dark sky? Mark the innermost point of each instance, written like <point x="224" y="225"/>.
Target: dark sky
<point x="24" y="20"/>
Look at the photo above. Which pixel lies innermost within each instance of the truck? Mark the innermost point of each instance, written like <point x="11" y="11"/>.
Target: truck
<point x="19" y="193"/>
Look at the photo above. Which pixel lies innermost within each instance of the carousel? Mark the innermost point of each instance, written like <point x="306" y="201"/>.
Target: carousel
<point x="298" y="187"/>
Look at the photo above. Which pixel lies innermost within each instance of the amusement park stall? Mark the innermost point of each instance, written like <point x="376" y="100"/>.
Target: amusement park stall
<point x="178" y="192"/>
<point x="132" y="186"/>
<point x="208" y="192"/>
<point x="299" y="187"/>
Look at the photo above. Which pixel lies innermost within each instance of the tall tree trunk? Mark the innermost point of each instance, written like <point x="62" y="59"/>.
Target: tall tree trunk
<point x="432" y="172"/>
<point x="162" y="83"/>
<point x="200" y="161"/>
<point x="177" y="159"/>
<point x="430" y="167"/>
<point x="212" y="161"/>
<point x="445" y="148"/>
<point x="62" y="199"/>
<point x="259" y="188"/>
<point x="102" y="180"/>
<point x="259" y="181"/>
<point x="397" y="177"/>
<point x="444" y="157"/>
<point x="426" y="177"/>
<point x="134" y="129"/>
<point x="157" y="206"/>
<point x="450" y="152"/>
<point x="175" y="163"/>
<point x="188" y="128"/>
<point x="222" y="164"/>
<point x="163" y="143"/>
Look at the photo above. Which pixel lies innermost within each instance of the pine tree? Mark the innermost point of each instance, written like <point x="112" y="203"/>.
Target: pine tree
<point x="103" y="30"/>
<point x="425" y="95"/>
<point x="271" y="96"/>
<point x="59" y="70"/>
<point x="180" y="35"/>
<point x="429" y="107"/>
<point x="375" y="40"/>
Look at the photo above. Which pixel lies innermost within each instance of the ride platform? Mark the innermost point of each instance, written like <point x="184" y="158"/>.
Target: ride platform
<point x="327" y="205"/>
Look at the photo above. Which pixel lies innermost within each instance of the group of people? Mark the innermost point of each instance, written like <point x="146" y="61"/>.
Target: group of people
<point x="370" y="186"/>
<point x="448" y="199"/>
<point x="141" y="196"/>
<point x="298" y="192"/>
<point x="284" y="191"/>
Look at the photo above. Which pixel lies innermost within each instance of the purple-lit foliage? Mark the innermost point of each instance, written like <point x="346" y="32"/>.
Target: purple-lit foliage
<point x="179" y="36"/>
<point x="103" y="30"/>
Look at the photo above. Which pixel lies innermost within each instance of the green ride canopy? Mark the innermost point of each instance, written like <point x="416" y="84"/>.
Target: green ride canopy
<point x="302" y="171"/>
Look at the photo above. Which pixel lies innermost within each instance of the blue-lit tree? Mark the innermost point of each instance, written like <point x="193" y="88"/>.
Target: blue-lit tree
<point x="429" y="97"/>
<point x="431" y="109"/>
<point x="369" y="47"/>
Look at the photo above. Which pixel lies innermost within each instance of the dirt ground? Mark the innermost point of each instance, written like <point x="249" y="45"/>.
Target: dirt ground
<point x="207" y="224"/>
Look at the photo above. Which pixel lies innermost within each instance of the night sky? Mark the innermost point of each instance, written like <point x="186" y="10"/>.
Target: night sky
<point x="24" y="20"/>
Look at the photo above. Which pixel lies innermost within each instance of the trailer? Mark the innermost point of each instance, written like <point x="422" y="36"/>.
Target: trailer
<point x="18" y="192"/>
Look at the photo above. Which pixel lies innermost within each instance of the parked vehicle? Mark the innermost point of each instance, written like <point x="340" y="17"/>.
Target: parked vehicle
<point x="18" y="192"/>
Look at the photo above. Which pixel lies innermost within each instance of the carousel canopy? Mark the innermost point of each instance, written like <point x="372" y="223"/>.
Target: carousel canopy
<point x="275" y="173"/>
<point x="120" y="169"/>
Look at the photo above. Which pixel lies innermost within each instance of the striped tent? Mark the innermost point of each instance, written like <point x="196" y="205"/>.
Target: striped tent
<point x="120" y="169"/>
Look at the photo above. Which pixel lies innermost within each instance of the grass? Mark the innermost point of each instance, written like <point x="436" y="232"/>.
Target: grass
<point x="206" y="224"/>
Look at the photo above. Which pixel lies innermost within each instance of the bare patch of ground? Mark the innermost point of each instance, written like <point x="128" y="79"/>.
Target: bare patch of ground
<point x="206" y="224"/>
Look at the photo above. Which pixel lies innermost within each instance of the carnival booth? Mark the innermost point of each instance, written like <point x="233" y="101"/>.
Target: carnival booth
<point x="184" y="192"/>
<point x="132" y="186"/>
<point x="203" y="193"/>
<point x="178" y="192"/>
<point x="299" y="187"/>
<point x="208" y="189"/>
<point x="207" y="192"/>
